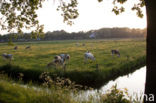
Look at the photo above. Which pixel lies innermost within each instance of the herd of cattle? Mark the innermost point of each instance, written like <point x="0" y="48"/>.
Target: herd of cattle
<point x="9" y="57"/>
<point x="61" y="58"/>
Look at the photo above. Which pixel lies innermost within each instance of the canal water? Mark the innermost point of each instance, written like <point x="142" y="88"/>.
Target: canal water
<point x="134" y="82"/>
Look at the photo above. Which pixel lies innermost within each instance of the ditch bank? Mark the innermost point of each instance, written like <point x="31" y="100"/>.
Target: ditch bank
<point x="94" y="79"/>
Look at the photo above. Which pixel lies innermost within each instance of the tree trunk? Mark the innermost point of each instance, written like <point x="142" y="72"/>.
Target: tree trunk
<point x="150" y="86"/>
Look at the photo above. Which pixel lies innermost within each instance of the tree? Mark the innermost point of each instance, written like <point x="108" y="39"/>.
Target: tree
<point x="151" y="47"/>
<point x="150" y="43"/>
<point x="18" y="14"/>
<point x="21" y="14"/>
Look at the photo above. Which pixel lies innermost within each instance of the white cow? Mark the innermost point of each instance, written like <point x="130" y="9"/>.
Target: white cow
<point x="65" y="56"/>
<point x="7" y="56"/>
<point x="89" y="55"/>
<point x="57" y="61"/>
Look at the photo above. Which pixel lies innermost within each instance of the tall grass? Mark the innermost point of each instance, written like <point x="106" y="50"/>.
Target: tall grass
<point x="15" y="93"/>
<point x="11" y="92"/>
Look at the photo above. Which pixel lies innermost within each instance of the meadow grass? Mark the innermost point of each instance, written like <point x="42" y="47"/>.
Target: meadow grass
<point x="33" y="62"/>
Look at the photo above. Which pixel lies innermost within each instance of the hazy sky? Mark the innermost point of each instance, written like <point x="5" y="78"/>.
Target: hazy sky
<point x="93" y="15"/>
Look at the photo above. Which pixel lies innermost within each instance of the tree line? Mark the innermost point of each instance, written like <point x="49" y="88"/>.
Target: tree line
<point x="104" y="33"/>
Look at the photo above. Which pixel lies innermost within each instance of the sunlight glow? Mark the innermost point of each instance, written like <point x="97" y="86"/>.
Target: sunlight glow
<point x="93" y="15"/>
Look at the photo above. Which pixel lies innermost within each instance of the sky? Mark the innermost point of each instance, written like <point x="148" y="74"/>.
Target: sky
<point x="92" y="15"/>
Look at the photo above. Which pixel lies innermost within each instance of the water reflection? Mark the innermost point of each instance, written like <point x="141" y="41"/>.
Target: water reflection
<point x="134" y="82"/>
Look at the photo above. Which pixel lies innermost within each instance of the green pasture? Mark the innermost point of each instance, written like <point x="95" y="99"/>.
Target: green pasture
<point x="41" y="53"/>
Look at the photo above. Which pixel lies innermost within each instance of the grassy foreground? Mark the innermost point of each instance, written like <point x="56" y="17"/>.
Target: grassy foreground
<point x="12" y="92"/>
<point x="33" y="62"/>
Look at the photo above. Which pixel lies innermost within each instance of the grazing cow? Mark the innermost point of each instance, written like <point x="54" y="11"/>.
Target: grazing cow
<point x="77" y="44"/>
<point x="115" y="52"/>
<point x="28" y="47"/>
<point x="83" y="44"/>
<point x="16" y="47"/>
<point x="89" y="55"/>
<point x="57" y="61"/>
<point x="7" y="56"/>
<point x="60" y="59"/>
<point x="65" y="56"/>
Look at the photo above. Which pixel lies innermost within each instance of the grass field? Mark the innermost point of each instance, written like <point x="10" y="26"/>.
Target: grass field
<point x="41" y="53"/>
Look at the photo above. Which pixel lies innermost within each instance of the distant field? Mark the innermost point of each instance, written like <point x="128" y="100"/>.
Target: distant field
<point x="42" y="53"/>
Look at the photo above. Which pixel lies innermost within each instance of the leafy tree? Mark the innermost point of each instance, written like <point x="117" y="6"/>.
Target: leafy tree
<point x="19" y="14"/>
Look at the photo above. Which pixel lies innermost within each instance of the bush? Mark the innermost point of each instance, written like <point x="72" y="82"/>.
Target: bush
<point x="115" y="95"/>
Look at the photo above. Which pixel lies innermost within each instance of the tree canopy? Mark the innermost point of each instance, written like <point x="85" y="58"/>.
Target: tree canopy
<point x="16" y="15"/>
